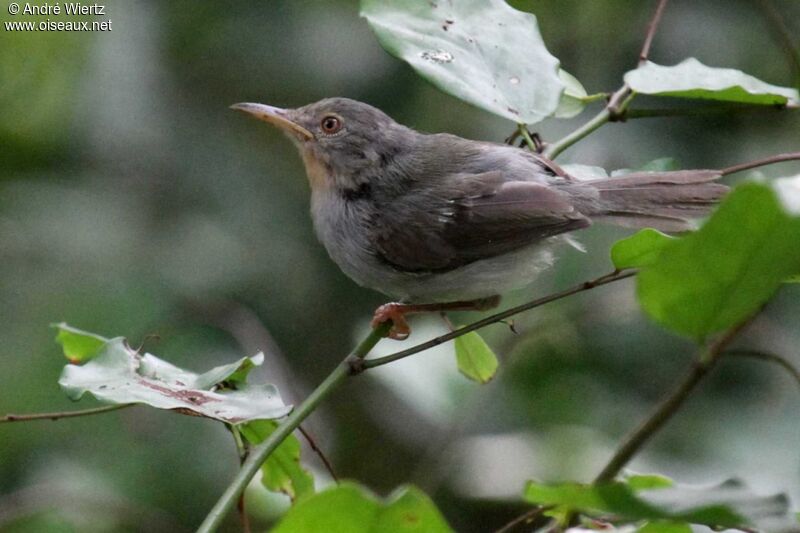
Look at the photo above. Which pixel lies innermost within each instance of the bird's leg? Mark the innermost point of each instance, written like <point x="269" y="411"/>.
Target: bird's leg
<point x="396" y="312"/>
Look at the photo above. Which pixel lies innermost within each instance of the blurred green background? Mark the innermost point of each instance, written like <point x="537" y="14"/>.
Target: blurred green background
<point x="134" y="202"/>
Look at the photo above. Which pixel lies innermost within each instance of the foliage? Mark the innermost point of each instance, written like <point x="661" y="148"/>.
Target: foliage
<point x="712" y="279"/>
<point x="692" y="79"/>
<point x="701" y="285"/>
<point x="475" y="359"/>
<point x="349" y="508"/>
<point x="116" y="373"/>
<point x="470" y="49"/>
<point x="282" y="471"/>
<point x="727" y="505"/>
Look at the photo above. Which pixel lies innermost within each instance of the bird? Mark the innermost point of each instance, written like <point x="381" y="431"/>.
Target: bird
<point x="438" y="222"/>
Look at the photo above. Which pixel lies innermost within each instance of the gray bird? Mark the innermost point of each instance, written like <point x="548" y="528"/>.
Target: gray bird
<point x="442" y="223"/>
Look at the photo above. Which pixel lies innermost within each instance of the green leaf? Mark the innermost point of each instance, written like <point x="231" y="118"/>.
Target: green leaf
<point x="692" y="79"/>
<point x="712" y="279"/>
<point x="729" y="504"/>
<point x="78" y="345"/>
<point x="349" y="508"/>
<point x="282" y="471"/>
<point x="639" y="250"/>
<point x="482" y="51"/>
<point x="639" y="482"/>
<point x="475" y="359"/>
<point x="118" y="374"/>
<point x="574" y="97"/>
<point x="665" y="527"/>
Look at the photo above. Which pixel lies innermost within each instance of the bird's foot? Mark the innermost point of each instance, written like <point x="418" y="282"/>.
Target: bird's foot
<point x="394" y="312"/>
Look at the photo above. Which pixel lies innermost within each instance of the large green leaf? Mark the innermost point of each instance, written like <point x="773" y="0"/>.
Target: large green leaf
<point x="118" y="374"/>
<point x="78" y="345"/>
<point x="712" y="279"/>
<point x="282" y="471"/>
<point x="729" y="504"/>
<point x="474" y="357"/>
<point x="639" y="250"/>
<point x="692" y="79"/>
<point x="482" y="51"/>
<point x="349" y="508"/>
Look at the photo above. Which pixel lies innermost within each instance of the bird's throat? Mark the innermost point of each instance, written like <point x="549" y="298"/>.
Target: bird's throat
<point x="319" y="173"/>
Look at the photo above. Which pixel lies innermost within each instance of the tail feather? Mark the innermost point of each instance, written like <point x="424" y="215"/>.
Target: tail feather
<point x="668" y="201"/>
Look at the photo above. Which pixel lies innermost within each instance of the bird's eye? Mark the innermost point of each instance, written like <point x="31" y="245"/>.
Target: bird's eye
<point x="331" y="124"/>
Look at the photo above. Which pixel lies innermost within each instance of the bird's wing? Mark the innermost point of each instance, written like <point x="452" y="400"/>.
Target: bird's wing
<point x="469" y="217"/>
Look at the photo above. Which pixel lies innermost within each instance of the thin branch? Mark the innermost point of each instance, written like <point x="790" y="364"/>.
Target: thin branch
<point x="524" y="519"/>
<point x="554" y="149"/>
<point x="651" y="31"/>
<point x="785" y="36"/>
<point x="318" y="451"/>
<point x="492" y="319"/>
<point x="259" y="453"/>
<point x="789" y="156"/>
<point x="668" y="407"/>
<point x="351" y="365"/>
<point x="769" y="357"/>
<point x="64" y="414"/>
<point x="619" y="100"/>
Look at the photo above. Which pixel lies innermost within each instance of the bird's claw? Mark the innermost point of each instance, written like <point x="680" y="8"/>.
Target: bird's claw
<point x="393" y="312"/>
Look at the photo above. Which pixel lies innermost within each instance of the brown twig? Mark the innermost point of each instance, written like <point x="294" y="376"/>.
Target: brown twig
<point x="769" y="357"/>
<point x="789" y="156"/>
<point x="617" y="103"/>
<point x="668" y="407"/>
<point x="651" y="31"/>
<point x="524" y="519"/>
<point x="63" y="414"/>
<point x="492" y="319"/>
<point x="785" y="36"/>
<point x="318" y="451"/>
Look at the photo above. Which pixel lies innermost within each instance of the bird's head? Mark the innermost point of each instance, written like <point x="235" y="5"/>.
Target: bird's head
<point x="344" y="143"/>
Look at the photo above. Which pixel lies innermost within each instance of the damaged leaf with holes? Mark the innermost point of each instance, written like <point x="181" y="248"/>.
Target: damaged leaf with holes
<point x="282" y="471"/>
<point x="119" y="374"/>
<point x="471" y="49"/>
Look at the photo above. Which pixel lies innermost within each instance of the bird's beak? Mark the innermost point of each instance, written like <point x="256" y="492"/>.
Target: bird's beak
<point x="276" y="116"/>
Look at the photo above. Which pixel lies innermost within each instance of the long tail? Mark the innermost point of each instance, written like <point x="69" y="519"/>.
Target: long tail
<point x="667" y="201"/>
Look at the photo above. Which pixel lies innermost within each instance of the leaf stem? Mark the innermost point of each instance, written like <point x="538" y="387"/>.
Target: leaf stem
<point x="523" y="130"/>
<point x="258" y="454"/>
<point x="64" y="414"/>
<point x="553" y="150"/>
<point x="769" y="357"/>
